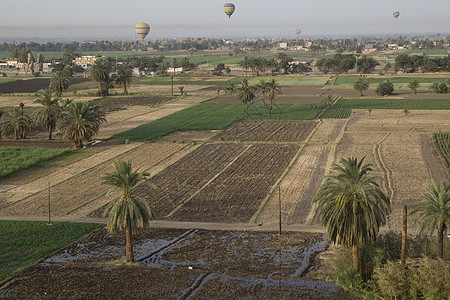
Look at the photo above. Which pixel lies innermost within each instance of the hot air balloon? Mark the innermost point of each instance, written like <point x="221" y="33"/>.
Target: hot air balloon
<point x="228" y="8"/>
<point x="298" y="31"/>
<point x="142" y="30"/>
<point x="396" y="14"/>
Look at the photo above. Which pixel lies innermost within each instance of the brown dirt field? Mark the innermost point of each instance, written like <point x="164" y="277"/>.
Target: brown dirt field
<point x="66" y="196"/>
<point x="32" y="85"/>
<point x="187" y="265"/>
<point x="399" y="148"/>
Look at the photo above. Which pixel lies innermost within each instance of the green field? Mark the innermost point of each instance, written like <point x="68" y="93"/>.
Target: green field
<point x="349" y="80"/>
<point x="14" y="159"/>
<point x="293" y="80"/>
<point x="6" y="79"/>
<point x="441" y="142"/>
<point x="24" y="243"/>
<point x="215" y="116"/>
<point x="386" y="103"/>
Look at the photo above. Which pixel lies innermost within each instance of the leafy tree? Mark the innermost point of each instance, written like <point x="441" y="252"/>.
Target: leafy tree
<point x="162" y="69"/>
<point x="439" y="87"/>
<point x="403" y="62"/>
<point x="59" y="83"/>
<point x="433" y="212"/>
<point x="352" y="205"/>
<point x="414" y="85"/>
<point x="245" y="93"/>
<point x="100" y="73"/>
<point x="244" y="64"/>
<point x="361" y="84"/>
<point x="124" y="77"/>
<point x="387" y="67"/>
<point x="218" y="69"/>
<point x="48" y="112"/>
<point x="385" y="88"/>
<point x="15" y="121"/>
<point x="81" y="121"/>
<point x="128" y="211"/>
<point x="283" y="61"/>
<point x="366" y="65"/>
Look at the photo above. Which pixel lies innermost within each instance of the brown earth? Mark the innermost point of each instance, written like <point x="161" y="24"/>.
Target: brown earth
<point x="32" y="85"/>
<point x="180" y="264"/>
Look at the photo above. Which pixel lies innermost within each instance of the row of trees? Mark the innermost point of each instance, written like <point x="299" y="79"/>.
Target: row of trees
<point x="343" y="63"/>
<point x="246" y="93"/>
<point x="282" y="63"/>
<point x="421" y="63"/>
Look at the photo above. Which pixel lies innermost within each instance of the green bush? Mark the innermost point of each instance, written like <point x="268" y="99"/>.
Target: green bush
<point x="439" y="87"/>
<point x="385" y="88"/>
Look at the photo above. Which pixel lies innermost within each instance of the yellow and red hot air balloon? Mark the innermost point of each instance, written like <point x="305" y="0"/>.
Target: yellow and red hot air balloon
<point x="142" y="29"/>
<point x="229" y="8"/>
<point x="396" y="14"/>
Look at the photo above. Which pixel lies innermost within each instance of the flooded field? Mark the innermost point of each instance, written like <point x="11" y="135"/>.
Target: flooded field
<point x="181" y="264"/>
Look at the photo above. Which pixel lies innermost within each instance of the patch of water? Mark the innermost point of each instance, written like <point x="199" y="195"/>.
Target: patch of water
<point x="316" y="247"/>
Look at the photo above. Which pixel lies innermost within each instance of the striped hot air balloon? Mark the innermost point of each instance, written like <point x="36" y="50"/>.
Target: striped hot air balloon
<point x="229" y="8"/>
<point x="142" y="29"/>
<point x="396" y="14"/>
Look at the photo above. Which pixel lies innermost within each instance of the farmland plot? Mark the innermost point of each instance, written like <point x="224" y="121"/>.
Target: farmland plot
<point x="236" y="194"/>
<point x="185" y="177"/>
<point x="84" y="192"/>
<point x="273" y="131"/>
<point x="399" y="147"/>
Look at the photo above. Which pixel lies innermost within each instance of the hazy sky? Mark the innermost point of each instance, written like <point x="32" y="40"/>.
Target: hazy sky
<point x="115" y="20"/>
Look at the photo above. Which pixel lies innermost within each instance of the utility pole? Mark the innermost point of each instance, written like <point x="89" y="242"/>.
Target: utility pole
<point x="279" y="207"/>
<point x="49" y="221"/>
<point x="404" y="235"/>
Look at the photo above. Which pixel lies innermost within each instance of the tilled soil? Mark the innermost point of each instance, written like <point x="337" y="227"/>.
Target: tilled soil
<point x="32" y="85"/>
<point x="180" y="264"/>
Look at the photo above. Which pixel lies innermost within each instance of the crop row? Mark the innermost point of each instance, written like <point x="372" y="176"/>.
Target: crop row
<point x="336" y="113"/>
<point x="442" y="144"/>
<point x="432" y="104"/>
<point x="352" y="79"/>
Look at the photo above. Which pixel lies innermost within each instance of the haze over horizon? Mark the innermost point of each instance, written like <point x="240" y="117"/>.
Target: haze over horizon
<point x="50" y="20"/>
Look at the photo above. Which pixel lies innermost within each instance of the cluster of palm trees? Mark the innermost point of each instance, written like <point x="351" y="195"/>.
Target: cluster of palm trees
<point x="100" y="72"/>
<point x="353" y="206"/>
<point x="246" y="93"/>
<point x="281" y="63"/>
<point x="77" y="121"/>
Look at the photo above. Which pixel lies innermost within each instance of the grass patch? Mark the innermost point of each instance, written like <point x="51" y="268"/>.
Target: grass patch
<point x="24" y="243"/>
<point x="6" y="79"/>
<point x="216" y="116"/>
<point x="16" y="159"/>
<point x="336" y="113"/>
<point x="386" y="103"/>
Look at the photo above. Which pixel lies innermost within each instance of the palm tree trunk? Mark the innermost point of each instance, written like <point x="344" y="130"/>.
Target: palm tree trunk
<point x="129" y="245"/>
<point x="246" y="108"/>
<point x="355" y="258"/>
<point x="270" y="107"/>
<point x="441" y="241"/>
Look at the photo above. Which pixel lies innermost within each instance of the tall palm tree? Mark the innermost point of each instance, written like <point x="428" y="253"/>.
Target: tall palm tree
<point x="48" y="112"/>
<point x="361" y="84"/>
<point x="273" y="90"/>
<point x="244" y="64"/>
<point x="124" y="77"/>
<point x="59" y="83"/>
<point x="434" y="211"/>
<point x="127" y="212"/>
<point x="100" y="73"/>
<point x="15" y="121"/>
<point x="262" y="87"/>
<point x="352" y="205"/>
<point x="81" y="121"/>
<point x="245" y="93"/>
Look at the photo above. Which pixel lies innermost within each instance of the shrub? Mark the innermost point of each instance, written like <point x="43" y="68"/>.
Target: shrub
<point x="385" y="88"/>
<point x="439" y="87"/>
<point x="394" y="281"/>
<point x="36" y="74"/>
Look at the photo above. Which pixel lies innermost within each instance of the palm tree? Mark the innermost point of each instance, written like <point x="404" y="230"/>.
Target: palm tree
<point x="245" y="93"/>
<point x="352" y="205"/>
<point x="81" y="121"/>
<point x="273" y="90"/>
<point x="59" y="83"/>
<point x="127" y="212"/>
<point x="16" y="121"/>
<point x="434" y="211"/>
<point x="48" y="113"/>
<point x="244" y="64"/>
<point x="262" y="87"/>
<point x="124" y="77"/>
<point x="361" y="84"/>
<point x="414" y="85"/>
<point x="100" y="73"/>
